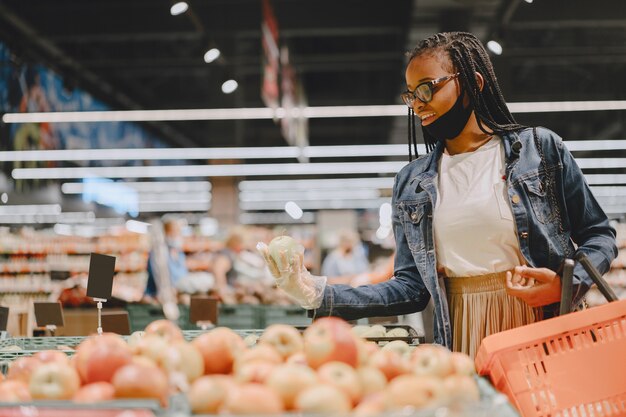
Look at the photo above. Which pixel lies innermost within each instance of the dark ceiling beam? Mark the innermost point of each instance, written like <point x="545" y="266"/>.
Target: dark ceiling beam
<point x="125" y="37"/>
<point x="56" y="58"/>
<point x="560" y="24"/>
<point x="321" y="32"/>
<point x="318" y="59"/>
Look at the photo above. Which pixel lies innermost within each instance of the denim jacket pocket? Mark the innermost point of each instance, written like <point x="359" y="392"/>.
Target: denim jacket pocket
<point x="539" y="199"/>
<point x="414" y="224"/>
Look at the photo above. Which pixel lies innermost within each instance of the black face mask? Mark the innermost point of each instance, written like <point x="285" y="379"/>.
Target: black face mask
<point x="450" y="124"/>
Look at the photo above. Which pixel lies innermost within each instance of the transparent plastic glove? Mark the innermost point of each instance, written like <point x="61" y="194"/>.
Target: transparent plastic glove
<point x="292" y="277"/>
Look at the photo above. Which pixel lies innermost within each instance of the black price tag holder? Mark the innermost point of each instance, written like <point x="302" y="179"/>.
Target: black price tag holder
<point x="4" y="318"/>
<point x="49" y="315"/>
<point x="116" y="322"/>
<point x="203" y="312"/>
<point x="100" y="281"/>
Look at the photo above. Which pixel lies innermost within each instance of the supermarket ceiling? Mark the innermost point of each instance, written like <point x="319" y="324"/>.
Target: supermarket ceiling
<point x="133" y="54"/>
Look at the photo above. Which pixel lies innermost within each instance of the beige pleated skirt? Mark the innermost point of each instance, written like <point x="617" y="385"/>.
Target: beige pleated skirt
<point x="479" y="306"/>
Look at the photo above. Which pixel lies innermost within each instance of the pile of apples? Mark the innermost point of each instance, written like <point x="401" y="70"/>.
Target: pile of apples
<point x="327" y="369"/>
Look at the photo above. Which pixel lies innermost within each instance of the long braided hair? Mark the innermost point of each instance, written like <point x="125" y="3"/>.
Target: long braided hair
<point x="468" y="56"/>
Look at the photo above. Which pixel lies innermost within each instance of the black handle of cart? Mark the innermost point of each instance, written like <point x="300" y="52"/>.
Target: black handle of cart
<point x="567" y="276"/>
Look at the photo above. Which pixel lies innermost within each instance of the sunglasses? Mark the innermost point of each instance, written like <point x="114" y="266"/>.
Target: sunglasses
<point x="424" y="91"/>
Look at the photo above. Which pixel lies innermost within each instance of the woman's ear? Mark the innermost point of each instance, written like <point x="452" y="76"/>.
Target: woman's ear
<point x="480" y="80"/>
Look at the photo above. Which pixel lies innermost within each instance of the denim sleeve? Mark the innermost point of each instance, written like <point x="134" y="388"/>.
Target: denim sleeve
<point x="590" y="228"/>
<point x="405" y="293"/>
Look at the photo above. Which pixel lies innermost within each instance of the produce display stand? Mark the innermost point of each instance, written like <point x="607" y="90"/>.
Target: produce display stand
<point x="139" y="408"/>
<point x="571" y="365"/>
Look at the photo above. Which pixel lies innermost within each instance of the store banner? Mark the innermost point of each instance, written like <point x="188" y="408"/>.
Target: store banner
<point x="28" y="87"/>
<point x="270" y="92"/>
<point x="294" y="124"/>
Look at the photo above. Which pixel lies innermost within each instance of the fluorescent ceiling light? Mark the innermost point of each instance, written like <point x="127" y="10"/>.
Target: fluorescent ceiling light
<point x="235" y="170"/>
<point x="316" y="205"/>
<point x="591" y="163"/>
<point x="597" y="179"/>
<point x="137" y="227"/>
<point x="26" y="209"/>
<point x="333" y="183"/>
<point x="609" y="191"/>
<point x="274" y="218"/>
<point x="151" y="154"/>
<point x="307" y="195"/>
<point x="143" y="187"/>
<point x="267" y="113"/>
<point x="173" y="206"/>
<point x="275" y="152"/>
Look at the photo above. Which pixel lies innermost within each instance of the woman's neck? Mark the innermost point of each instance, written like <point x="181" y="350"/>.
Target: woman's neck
<point x="470" y="139"/>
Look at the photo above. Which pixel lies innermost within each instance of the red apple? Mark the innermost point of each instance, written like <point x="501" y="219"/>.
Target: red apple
<point x="286" y="339"/>
<point x="323" y="399"/>
<point x="208" y="393"/>
<point x="104" y="360"/>
<point x="49" y="356"/>
<point x="255" y="399"/>
<point x="254" y="372"/>
<point x="390" y="363"/>
<point x="371" y="406"/>
<point x="401" y="347"/>
<point x="297" y="359"/>
<point x="165" y="329"/>
<point x="22" y="368"/>
<point x="330" y="339"/>
<point x="54" y="381"/>
<point x="184" y="358"/>
<point x="343" y="377"/>
<point x="259" y="353"/>
<point x="415" y="391"/>
<point x="96" y="392"/>
<point x="289" y="380"/>
<point x="366" y="350"/>
<point x="372" y="379"/>
<point x="431" y="360"/>
<point x="151" y="346"/>
<point x="462" y="388"/>
<point x="85" y="349"/>
<point x="14" y="391"/>
<point x="219" y="348"/>
<point x="137" y="381"/>
<point x="462" y="364"/>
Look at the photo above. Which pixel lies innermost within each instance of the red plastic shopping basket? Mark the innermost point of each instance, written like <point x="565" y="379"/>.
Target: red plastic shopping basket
<point x="569" y="366"/>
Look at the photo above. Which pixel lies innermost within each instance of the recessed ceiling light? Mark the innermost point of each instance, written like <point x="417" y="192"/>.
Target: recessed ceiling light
<point x="229" y="86"/>
<point x="211" y="55"/>
<point x="179" y="8"/>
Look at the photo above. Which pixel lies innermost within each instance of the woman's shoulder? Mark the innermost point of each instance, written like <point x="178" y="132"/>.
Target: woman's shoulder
<point x="543" y="135"/>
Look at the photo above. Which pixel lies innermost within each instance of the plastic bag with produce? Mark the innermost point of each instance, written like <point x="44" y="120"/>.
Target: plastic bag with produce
<point x="285" y="258"/>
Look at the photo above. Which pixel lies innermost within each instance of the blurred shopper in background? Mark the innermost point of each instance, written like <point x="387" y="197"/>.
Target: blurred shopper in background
<point x="176" y="260"/>
<point x="483" y="221"/>
<point x="224" y="262"/>
<point x="348" y="258"/>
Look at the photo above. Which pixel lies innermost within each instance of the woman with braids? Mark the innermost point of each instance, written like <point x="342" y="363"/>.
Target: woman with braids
<point x="483" y="221"/>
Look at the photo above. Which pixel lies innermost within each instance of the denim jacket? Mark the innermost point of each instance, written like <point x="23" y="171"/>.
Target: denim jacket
<point x="548" y="226"/>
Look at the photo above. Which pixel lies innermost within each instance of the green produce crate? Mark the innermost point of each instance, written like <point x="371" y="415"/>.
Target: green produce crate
<point x="240" y="316"/>
<point x="141" y="315"/>
<point x="292" y="315"/>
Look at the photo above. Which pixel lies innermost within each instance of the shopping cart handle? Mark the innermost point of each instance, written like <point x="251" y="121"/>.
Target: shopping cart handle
<point x="604" y="288"/>
<point x="567" y="282"/>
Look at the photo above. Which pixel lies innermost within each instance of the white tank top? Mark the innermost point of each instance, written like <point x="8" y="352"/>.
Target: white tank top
<point x="473" y="221"/>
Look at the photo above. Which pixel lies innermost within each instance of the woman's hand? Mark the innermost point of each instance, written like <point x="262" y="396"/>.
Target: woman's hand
<point x="535" y="286"/>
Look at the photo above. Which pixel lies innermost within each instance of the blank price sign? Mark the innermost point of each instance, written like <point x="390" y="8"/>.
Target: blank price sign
<point x="100" y="281"/>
